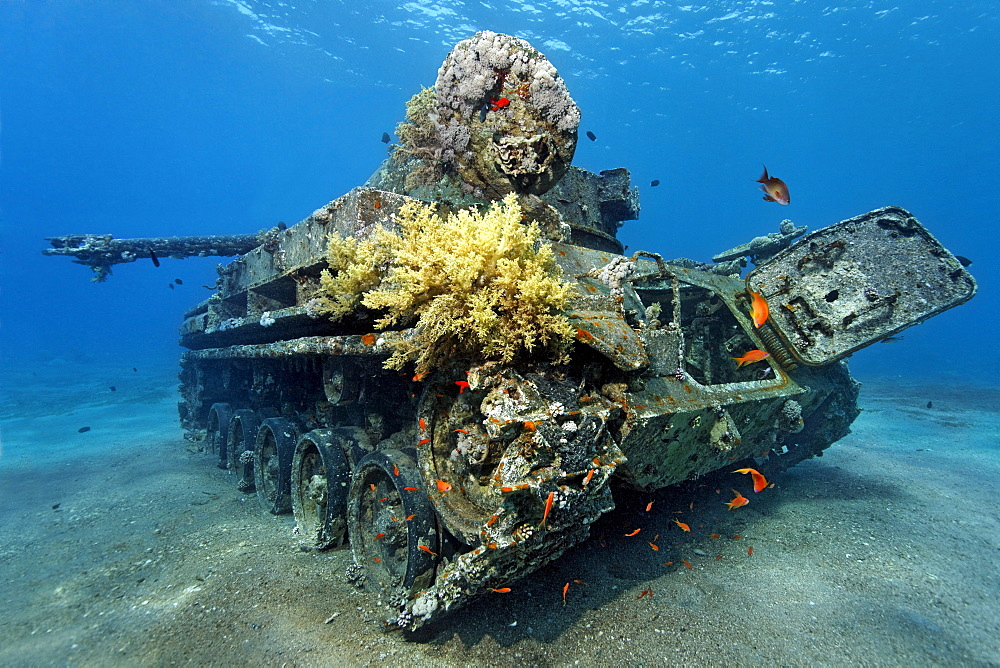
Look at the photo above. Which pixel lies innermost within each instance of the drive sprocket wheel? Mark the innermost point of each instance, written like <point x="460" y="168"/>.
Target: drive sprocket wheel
<point x="524" y="461"/>
<point x="503" y="436"/>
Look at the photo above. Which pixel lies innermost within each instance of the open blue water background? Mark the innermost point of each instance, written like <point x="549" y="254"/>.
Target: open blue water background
<point x="175" y="117"/>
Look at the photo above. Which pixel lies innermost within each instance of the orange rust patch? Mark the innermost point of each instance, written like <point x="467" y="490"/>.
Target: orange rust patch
<point x="368" y="339"/>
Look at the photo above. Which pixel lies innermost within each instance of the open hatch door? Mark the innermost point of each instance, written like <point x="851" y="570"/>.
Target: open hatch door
<point x="848" y="285"/>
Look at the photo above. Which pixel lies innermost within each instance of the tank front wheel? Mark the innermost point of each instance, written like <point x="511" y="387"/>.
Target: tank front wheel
<point x="391" y="523"/>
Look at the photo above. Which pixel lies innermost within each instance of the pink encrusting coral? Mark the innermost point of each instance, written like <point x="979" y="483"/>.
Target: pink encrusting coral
<point x="524" y="144"/>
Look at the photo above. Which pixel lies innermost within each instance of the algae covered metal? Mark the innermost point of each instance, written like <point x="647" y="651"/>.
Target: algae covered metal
<point x="464" y="478"/>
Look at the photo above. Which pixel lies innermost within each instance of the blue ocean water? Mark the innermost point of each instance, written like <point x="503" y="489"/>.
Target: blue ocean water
<point x="226" y="116"/>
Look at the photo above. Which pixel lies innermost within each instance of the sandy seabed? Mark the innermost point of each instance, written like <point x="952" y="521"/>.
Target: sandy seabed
<point x="120" y="546"/>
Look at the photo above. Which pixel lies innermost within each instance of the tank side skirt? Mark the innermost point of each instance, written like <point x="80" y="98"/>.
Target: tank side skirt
<point x="353" y="344"/>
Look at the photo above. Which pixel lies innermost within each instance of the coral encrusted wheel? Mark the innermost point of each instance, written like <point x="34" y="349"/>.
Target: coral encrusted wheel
<point x="391" y="524"/>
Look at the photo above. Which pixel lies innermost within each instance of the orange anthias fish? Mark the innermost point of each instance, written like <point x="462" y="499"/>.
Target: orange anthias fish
<point x="759" y="481"/>
<point x="759" y="310"/>
<point x="497" y="103"/>
<point x="738" y="501"/>
<point x="443" y="486"/>
<point x="684" y="527"/>
<point x="751" y="357"/>
<point x="774" y="188"/>
<point x="548" y="507"/>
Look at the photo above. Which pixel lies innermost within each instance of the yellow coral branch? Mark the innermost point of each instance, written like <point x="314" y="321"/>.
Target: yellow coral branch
<point x="478" y="283"/>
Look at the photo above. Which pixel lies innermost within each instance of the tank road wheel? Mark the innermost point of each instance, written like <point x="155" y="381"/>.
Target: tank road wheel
<point x="272" y="465"/>
<point x="321" y="479"/>
<point x="240" y="440"/>
<point x="219" y="416"/>
<point x="391" y="523"/>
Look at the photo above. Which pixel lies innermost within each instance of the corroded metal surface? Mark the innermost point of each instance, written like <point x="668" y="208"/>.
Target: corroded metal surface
<point x="575" y="196"/>
<point x="513" y="462"/>
<point x="761" y="248"/>
<point x="353" y="344"/>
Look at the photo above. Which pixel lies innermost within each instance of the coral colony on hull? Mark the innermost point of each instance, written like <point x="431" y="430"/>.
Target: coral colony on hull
<point x="451" y="366"/>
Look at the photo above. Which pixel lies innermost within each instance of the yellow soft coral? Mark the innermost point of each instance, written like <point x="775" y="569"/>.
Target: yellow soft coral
<point x="354" y="268"/>
<point x="478" y="284"/>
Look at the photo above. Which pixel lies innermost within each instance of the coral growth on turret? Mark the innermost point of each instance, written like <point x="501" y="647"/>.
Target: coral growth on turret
<point x="476" y="285"/>
<point x="499" y="119"/>
<point x="504" y="116"/>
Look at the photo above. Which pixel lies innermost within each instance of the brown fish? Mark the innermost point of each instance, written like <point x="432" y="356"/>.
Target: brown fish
<point x="774" y="188"/>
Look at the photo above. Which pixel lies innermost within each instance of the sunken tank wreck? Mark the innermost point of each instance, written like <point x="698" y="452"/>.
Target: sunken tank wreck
<point x="453" y="367"/>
